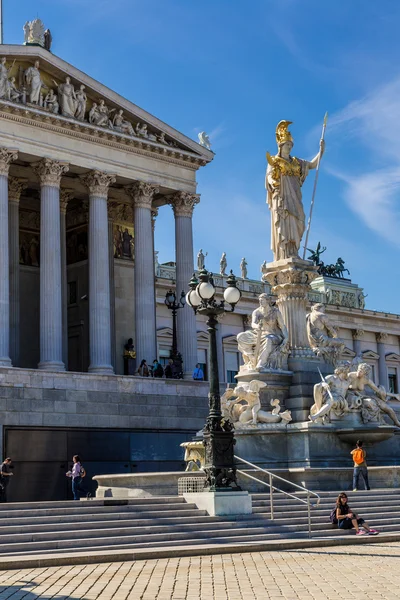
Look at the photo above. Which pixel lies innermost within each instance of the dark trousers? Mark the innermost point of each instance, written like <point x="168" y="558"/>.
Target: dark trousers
<point x="77" y="488"/>
<point x="356" y="476"/>
<point x="3" y="492"/>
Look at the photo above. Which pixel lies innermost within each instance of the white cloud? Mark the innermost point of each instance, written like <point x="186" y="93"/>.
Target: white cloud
<point x="373" y="122"/>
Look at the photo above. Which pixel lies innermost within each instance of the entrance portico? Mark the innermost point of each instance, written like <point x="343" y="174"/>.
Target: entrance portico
<point x="72" y="194"/>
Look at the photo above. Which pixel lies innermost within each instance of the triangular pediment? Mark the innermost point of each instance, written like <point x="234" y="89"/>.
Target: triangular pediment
<point x="230" y="339"/>
<point x="164" y="332"/>
<point x="94" y="108"/>
<point x="202" y="336"/>
<point x="347" y="353"/>
<point x="393" y="356"/>
<point x="370" y="354"/>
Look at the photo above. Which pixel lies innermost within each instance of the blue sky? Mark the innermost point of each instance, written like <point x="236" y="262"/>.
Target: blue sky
<point x="234" y="69"/>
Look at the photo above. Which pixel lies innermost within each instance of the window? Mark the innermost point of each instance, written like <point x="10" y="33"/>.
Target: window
<point x="202" y="360"/>
<point x="392" y="375"/>
<point x="164" y="357"/>
<point x="232" y="366"/>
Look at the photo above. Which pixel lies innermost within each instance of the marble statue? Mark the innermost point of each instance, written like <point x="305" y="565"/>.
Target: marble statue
<point x="322" y="335"/>
<point x="4" y="84"/>
<point x="361" y="299"/>
<point x="81" y="101"/>
<point x="223" y="264"/>
<point x="66" y="98"/>
<point x="263" y="268"/>
<point x="265" y="345"/>
<point x="51" y="102"/>
<point x="156" y="263"/>
<point x="284" y="178"/>
<point x="204" y="140"/>
<point x="200" y="259"/>
<point x="330" y="395"/>
<point x="242" y="406"/>
<point x="122" y="125"/>
<point x="373" y="399"/>
<point x="94" y="114"/>
<point x="13" y="93"/>
<point x="347" y="392"/>
<point x="33" y="83"/>
<point x="27" y="31"/>
<point x="141" y="130"/>
<point x="243" y="268"/>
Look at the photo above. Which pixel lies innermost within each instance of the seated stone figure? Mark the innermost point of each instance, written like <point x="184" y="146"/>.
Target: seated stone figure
<point x="322" y="336"/>
<point x="330" y="395"/>
<point x="265" y="345"/>
<point x="369" y="397"/>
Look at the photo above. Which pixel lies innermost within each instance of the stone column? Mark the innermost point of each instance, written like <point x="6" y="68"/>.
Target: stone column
<point x="381" y="338"/>
<point x="15" y="188"/>
<point x="50" y="172"/>
<point x="6" y="157"/>
<point x="154" y="215"/>
<point x="65" y="197"/>
<point x="145" y="323"/>
<point x="357" y="335"/>
<point x="112" y="284"/>
<point x="183" y="204"/>
<point x="98" y="183"/>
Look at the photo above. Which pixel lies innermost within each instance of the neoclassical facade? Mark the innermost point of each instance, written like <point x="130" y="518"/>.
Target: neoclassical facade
<point x="82" y="180"/>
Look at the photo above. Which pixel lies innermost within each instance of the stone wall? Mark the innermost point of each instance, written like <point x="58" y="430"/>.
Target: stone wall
<point x="34" y="398"/>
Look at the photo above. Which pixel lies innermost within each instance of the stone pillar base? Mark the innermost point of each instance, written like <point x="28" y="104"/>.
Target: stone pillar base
<point x="101" y="370"/>
<point x="50" y="365"/>
<point x="5" y="362"/>
<point x="222" y="503"/>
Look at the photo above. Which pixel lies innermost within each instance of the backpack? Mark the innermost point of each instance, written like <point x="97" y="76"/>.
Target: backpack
<point x="358" y="456"/>
<point x="332" y="516"/>
<point x="82" y="472"/>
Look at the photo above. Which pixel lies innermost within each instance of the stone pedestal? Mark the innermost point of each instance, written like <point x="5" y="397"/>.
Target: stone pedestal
<point x="290" y="281"/>
<point x="222" y="503"/>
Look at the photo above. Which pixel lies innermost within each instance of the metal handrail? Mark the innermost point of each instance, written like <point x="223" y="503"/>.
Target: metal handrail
<point x="272" y="488"/>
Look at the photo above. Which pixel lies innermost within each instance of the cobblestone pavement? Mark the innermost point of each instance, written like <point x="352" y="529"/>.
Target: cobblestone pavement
<point x="366" y="572"/>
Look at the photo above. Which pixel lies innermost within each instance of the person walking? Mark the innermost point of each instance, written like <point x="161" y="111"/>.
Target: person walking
<point x="198" y="374"/>
<point x="348" y="519"/>
<point x="77" y="474"/>
<point x="5" y="474"/>
<point x="360" y="466"/>
<point x="143" y="370"/>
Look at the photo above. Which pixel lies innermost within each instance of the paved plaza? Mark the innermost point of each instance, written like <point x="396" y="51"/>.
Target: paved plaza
<point x="367" y="572"/>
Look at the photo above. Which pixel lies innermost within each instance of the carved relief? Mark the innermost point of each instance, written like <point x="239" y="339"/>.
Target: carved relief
<point x="16" y="186"/>
<point x="29" y="249"/>
<point x="120" y="212"/>
<point x="6" y="158"/>
<point x="50" y="171"/>
<point x="29" y="219"/>
<point x="98" y="182"/>
<point x="142" y="193"/>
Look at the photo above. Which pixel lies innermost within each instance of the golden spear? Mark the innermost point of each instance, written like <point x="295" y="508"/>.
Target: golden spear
<point x="315" y="187"/>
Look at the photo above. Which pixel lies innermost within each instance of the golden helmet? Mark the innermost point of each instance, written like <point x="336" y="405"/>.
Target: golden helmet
<point x="282" y="133"/>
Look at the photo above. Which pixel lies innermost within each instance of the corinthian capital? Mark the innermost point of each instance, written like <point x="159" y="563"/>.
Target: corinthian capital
<point x="65" y="197"/>
<point x="381" y="337"/>
<point x="6" y="158"/>
<point x="98" y="182"/>
<point x="183" y="203"/>
<point x="357" y="334"/>
<point x="142" y="193"/>
<point x="50" y="171"/>
<point x="15" y="188"/>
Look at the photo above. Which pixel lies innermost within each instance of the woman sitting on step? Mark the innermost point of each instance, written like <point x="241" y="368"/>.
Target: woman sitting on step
<point x="347" y="519"/>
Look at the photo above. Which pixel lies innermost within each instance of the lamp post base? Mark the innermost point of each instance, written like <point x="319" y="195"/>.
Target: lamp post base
<point x="222" y="503"/>
<point x="219" y="467"/>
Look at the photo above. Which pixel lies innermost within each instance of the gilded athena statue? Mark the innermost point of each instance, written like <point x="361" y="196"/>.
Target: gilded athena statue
<point x="284" y="178"/>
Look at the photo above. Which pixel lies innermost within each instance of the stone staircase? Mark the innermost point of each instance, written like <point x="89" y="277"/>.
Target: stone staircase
<point x="49" y="533"/>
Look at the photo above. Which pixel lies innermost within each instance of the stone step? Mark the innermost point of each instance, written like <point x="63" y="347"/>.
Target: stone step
<point x="92" y="502"/>
<point x="155" y="511"/>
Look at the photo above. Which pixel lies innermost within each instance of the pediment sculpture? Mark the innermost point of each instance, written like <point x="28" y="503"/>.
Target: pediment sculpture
<point x="69" y="99"/>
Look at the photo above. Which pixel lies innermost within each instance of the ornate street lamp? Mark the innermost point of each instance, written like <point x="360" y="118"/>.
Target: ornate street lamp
<point x="174" y="305"/>
<point x="218" y="435"/>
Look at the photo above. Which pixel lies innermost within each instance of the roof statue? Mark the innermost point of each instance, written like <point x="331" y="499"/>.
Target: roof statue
<point x="204" y="140"/>
<point x="34" y="33"/>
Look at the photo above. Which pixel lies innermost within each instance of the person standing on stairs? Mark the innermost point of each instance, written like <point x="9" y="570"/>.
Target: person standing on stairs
<point x="77" y="473"/>
<point x="5" y="474"/>
<point x="347" y="519"/>
<point x="360" y="466"/>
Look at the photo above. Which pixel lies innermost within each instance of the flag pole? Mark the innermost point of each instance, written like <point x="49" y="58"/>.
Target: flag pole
<point x="315" y="187"/>
<point x="1" y="21"/>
